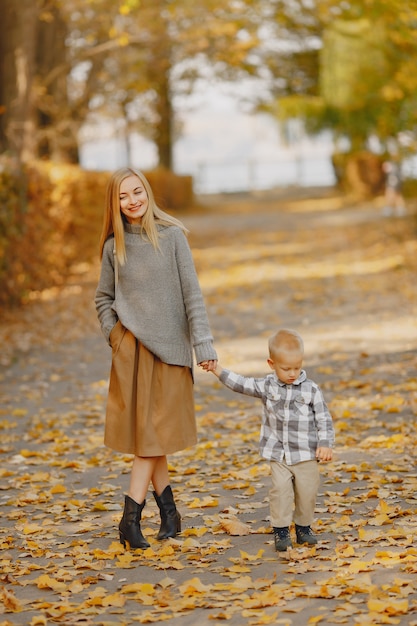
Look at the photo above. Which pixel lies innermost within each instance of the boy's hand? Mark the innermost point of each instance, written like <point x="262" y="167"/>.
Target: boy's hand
<point x="324" y="454"/>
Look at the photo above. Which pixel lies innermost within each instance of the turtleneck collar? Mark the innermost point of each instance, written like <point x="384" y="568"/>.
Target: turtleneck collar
<point x="132" y="228"/>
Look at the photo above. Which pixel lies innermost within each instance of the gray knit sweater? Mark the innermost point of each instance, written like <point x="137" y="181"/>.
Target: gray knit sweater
<point x="158" y="297"/>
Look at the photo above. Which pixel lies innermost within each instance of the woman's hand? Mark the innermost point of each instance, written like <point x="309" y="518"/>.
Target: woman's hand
<point x="208" y="366"/>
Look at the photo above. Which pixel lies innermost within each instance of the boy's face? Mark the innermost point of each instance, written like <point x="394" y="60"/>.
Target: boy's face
<point x="286" y="365"/>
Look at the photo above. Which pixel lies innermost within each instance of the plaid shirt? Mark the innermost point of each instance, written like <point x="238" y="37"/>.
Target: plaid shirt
<point x="295" y="419"/>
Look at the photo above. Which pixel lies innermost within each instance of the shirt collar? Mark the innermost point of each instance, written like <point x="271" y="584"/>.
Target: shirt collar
<point x="302" y="377"/>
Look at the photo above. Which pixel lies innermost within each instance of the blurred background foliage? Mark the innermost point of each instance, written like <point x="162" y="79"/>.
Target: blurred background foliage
<point x="51" y="218"/>
<point x="344" y="66"/>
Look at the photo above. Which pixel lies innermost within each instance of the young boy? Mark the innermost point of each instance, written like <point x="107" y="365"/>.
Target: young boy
<point x="296" y="433"/>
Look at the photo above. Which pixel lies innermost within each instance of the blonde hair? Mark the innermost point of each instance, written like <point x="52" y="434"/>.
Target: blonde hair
<point x="285" y="340"/>
<point x="113" y="221"/>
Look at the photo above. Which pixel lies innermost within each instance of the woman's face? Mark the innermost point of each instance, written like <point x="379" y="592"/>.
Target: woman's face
<point x="133" y="199"/>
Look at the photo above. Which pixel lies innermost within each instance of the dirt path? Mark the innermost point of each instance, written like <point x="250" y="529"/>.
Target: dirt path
<point x="343" y="276"/>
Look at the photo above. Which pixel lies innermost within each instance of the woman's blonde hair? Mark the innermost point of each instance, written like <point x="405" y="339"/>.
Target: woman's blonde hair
<point x="113" y="221"/>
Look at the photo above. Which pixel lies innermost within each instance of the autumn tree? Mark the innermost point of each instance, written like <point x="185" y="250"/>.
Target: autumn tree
<point x="36" y="119"/>
<point x="351" y="70"/>
<point x="65" y="62"/>
<point x="161" y="48"/>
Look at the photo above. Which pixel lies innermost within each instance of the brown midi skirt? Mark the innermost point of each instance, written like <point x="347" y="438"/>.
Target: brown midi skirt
<point x="150" y="406"/>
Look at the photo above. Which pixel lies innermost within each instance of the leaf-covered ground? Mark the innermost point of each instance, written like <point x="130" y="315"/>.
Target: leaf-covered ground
<point x="346" y="279"/>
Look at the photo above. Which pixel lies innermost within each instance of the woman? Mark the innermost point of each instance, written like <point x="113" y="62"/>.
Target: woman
<point x="152" y="313"/>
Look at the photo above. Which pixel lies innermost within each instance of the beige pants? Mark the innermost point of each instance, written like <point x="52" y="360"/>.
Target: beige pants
<point x="293" y="493"/>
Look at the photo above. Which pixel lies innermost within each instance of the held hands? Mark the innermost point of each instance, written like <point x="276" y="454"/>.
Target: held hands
<point x="210" y="366"/>
<point x="324" y="454"/>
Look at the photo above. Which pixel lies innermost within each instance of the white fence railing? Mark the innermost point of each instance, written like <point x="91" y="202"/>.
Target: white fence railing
<point x="251" y="174"/>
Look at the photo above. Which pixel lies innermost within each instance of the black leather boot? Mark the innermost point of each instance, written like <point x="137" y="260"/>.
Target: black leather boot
<point x="129" y="527"/>
<point x="170" y="517"/>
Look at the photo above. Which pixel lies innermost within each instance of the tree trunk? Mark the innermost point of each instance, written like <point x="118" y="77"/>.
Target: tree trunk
<point x="18" y="28"/>
<point x="163" y="131"/>
<point x="57" y="131"/>
<point x="159" y="75"/>
<point x="359" y="172"/>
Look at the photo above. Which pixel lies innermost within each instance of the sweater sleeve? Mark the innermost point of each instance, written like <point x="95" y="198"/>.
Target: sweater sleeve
<point x="200" y="333"/>
<point x="105" y="292"/>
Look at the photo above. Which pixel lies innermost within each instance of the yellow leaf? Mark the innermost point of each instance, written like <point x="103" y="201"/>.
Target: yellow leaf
<point x="240" y="569"/>
<point x="167" y="550"/>
<point x="345" y="551"/>
<point x="38" y="620"/>
<point x="208" y="501"/>
<point x="234" y="527"/>
<point x="194" y="586"/>
<point x="147" y="588"/>
<point x="116" y="548"/>
<point x="223" y="615"/>
<point x="9" y="601"/>
<point x="99" y="506"/>
<point x="47" y="582"/>
<point x="252" y="557"/>
<point x="30" y="529"/>
<point x="114" y="599"/>
<point x="38" y="477"/>
<point x="359" y="566"/>
<point x="270" y="597"/>
<point x="58" y="489"/>
<point x="388" y="605"/>
<point x="125" y="560"/>
<point x="369" y="534"/>
<point x="316" y="619"/>
<point x="76" y="587"/>
<point x="380" y="520"/>
<point x="149" y="553"/>
<point x="29" y="453"/>
<point x="263" y="618"/>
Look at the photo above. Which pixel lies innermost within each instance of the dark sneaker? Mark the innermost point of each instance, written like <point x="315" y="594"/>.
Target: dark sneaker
<point x="282" y="538"/>
<point x="305" y="535"/>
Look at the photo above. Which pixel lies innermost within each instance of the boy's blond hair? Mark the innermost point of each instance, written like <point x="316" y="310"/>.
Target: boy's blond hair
<point x="285" y="340"/>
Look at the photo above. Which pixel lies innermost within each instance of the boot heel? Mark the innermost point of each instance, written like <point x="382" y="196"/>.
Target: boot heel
<point x="178" y="523"/>
<point x="122" y="539"/>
